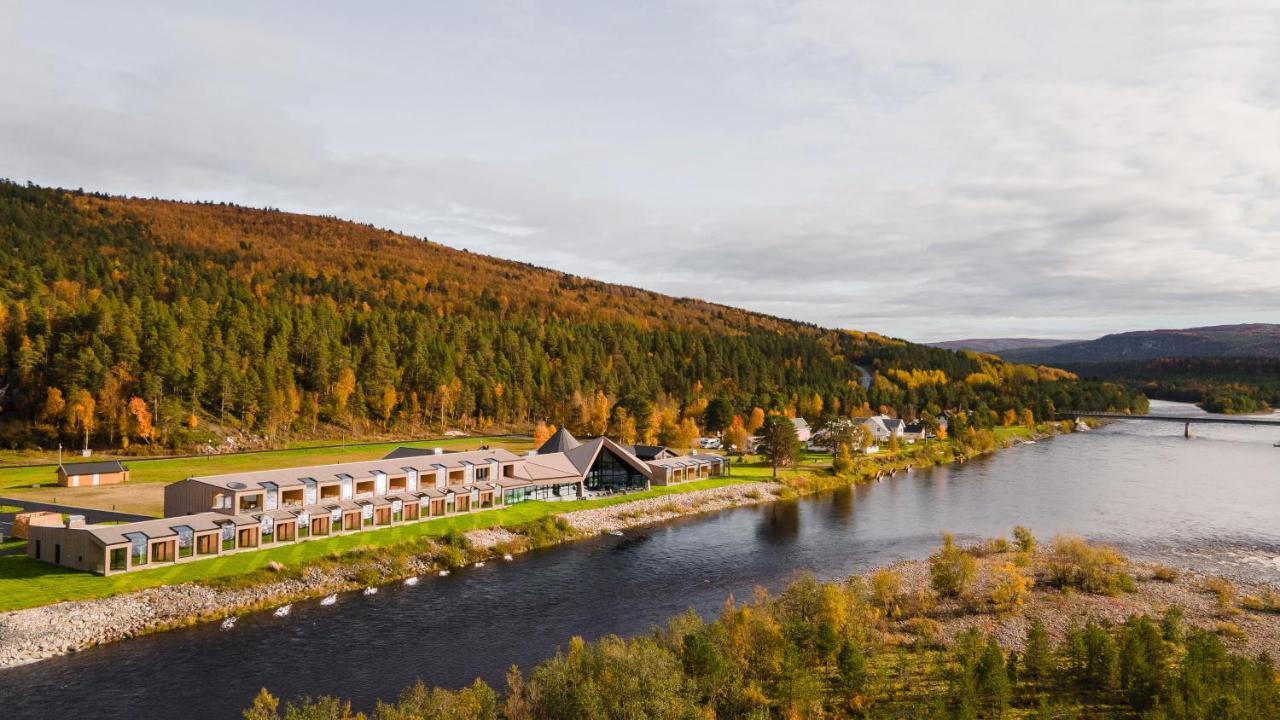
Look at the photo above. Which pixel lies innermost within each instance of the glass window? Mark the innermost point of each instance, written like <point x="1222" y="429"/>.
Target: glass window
<point x="610" y="473"/>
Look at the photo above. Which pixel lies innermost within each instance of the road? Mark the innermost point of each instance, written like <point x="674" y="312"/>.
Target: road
<point x="866" y="377"/>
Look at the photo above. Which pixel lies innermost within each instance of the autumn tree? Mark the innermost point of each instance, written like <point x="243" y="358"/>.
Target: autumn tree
<point x="756" y="421"/>
<point x="542" y="432"/>
<point x="622" y="426"/>
<point x="736" y="436"/>
<point x="140" y="419"/>
<point x="55" y="406"/>
<point x="343" y="389"/>
<point x="80" y="413"/>
<point x="387" y="403"/>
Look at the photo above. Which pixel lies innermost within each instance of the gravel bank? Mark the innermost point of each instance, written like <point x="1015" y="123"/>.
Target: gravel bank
<point x="661" y="509"/>
<point x="1059" y="609"/>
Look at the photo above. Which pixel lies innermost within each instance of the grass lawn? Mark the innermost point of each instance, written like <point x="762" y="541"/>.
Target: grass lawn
<point x="28" y="583"/>
<point x="167" y="470"/>
<point x="9" y="508"/>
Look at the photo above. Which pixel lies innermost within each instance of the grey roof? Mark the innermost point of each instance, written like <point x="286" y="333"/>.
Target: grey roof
<point x="650" y="452"/>
<point x="360" y="470"/>
<point x="583" y="456"/>
<point x="89" y="468"/>
<point x="561" y="441"/>
<point x="408" y="452"/>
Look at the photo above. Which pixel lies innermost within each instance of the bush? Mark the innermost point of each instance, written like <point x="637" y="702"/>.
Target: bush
<point x="952" y="571"/>
<point x="1011" y="588"/>
<point x="1164" y="573"/>
<point x="1231" y="631"/>
<point x="1098" y="569"/>
<point x="926" y="630"/>
<point x="1268" y="602"/>
<point x="885" y="586"/>
<point x="1026" y="541"/>
<point x="1222" y="589"/>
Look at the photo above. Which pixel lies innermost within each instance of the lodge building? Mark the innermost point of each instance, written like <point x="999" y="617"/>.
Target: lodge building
<point x="213" y="515"/>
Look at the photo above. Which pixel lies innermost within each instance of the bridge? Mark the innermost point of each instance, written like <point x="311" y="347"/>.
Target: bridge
<point x="1186" y="420"/>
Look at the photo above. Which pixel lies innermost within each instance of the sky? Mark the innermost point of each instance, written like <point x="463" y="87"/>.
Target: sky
<point x="925" y="170"/>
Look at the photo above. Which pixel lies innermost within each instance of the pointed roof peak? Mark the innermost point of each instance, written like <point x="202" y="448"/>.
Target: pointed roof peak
<point x="561" y="441"/>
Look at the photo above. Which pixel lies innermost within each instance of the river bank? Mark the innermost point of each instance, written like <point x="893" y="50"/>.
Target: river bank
<point x="34" y="634"/>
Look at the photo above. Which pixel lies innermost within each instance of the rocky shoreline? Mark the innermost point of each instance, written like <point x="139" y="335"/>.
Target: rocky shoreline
<point x="38" y="633"/>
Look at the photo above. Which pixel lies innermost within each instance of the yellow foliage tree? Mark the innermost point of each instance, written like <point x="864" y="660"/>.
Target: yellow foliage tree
<point x="140" y="419"/>
<point x="542" y="432"/>
<point x="80" y="413"/>
<point x="756" y="421"/>
<point x="1009" y="592"/>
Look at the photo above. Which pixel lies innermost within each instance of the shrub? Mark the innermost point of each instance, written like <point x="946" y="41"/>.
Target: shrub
<point x="368" y="575"/>
<point x="885" y="586"/>
<point x="1026" y="541"/>
<point x="926" y="630"/>
<point x="1268" y="602"/>
<point x="1164" y="573"/>
<point x="917" y="604"/>
<point x="1010" y="590"/>
<point x="451" y="556"/>
<point x="1222" y="589"/>
<point x="1231" y="631"/>
<point x="952" y="571"/>
<point x="1098" y="569"/>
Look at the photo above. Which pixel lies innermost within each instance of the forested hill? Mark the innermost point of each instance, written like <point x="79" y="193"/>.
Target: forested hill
<point x="157" y="321"/>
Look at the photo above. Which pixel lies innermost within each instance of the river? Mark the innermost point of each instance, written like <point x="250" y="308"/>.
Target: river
<point x="1211" y="503"/>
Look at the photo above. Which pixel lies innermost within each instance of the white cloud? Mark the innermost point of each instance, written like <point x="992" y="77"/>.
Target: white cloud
<point x="926" y="170"/>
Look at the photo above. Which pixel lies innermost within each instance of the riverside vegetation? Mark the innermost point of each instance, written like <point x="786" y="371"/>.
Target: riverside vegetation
<point x="928" y="639"/>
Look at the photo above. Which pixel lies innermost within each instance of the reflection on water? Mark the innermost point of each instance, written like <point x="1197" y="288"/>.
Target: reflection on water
<point x="1209" y="502"/>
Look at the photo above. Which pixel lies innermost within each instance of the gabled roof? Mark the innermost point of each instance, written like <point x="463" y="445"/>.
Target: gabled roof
<point x="584" y="456"/>
<point x="799" y="423"/>
<point x="90" y="468"/>
<point x="561" y="441"/>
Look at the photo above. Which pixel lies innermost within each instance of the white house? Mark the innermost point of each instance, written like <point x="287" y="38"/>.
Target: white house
<point x="803" y="431"/>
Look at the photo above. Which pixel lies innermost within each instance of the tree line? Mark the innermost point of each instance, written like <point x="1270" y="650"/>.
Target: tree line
<point x="147" y="322"/>
<point x="825" y="650"/>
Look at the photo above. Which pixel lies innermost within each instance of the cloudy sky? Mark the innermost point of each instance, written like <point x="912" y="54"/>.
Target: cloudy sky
<point x="927" y="170"/>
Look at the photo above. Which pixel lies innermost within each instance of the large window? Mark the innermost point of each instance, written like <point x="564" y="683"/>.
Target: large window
<point x="610" y="473"/>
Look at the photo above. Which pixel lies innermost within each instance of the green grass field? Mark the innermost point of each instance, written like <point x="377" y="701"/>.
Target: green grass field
<point x="29" y="583"/>
<point x="167" y="470"/>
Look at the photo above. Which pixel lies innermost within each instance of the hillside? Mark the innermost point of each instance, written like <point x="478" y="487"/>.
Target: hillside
<point x="154" y="321"/>
<point x="1256" y="340"/>
<point x="996" y="345"/>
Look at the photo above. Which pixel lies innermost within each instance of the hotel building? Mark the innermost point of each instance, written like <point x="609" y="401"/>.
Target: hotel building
<point x="213" y="515"/>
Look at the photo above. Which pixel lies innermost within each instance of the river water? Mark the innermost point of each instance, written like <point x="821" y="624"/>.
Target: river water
<point x="1211" y="502"/>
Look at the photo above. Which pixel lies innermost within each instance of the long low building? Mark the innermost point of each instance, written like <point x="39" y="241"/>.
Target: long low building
<point x="211" y="515"/>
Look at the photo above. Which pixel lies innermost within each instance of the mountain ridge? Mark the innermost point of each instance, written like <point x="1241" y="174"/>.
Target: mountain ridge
<point x="1238" y="340"/>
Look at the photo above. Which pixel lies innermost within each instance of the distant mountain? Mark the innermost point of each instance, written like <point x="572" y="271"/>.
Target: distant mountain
<point x="996" y="346"/>
<point x="1254" y="340"/>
